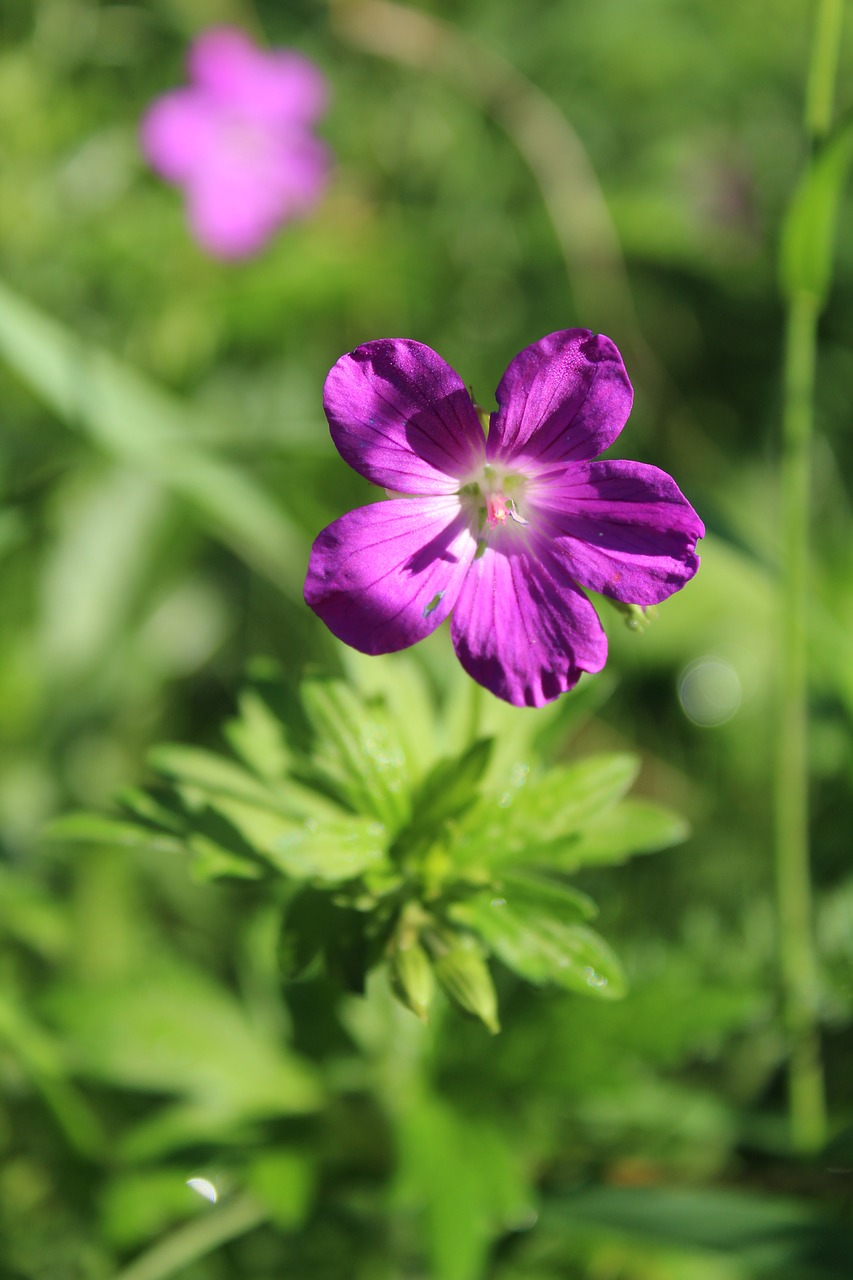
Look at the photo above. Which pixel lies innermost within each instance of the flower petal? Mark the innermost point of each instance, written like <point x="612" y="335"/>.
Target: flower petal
<point x="622" y="528"/>
<point x="384" y="576"/>
<point x="402" y="418"/>
<point x="274" y="87"/>
<point x="239" y="199"/>
<point x="177" y="133"/>
<point x="563" y="399"/>
<point x="522" y="628"/>
<point x="232" y="212"/>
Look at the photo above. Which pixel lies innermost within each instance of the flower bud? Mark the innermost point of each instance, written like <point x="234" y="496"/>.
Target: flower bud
<point x="464" y="975"/>
<point x="412" y="978"/>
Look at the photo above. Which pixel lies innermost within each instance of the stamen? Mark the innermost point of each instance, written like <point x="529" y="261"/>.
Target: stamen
<point x="513" y="512"/>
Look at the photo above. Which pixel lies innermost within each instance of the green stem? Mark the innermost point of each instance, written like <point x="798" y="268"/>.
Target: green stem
<point x="799" y="967"/>
<point x="794" y="895"/>
<point x="820" y="90"/>
<point x="196" y="1240"/>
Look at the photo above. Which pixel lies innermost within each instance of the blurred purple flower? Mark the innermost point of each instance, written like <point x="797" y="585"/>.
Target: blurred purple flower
<point x="238" y="140"/>
<point x="505" y="529"/>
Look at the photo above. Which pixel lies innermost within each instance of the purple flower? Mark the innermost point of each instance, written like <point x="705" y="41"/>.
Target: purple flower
<point x="238" y="140"/>
<point x="504" y="530"/>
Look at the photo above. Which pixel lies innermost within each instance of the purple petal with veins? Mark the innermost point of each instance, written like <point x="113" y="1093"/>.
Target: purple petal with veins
<point x="507" y="531"/>
<point x="383" y="577"/>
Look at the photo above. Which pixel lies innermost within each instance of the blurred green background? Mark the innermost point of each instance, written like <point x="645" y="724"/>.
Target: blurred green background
<point x="157" y="511"/>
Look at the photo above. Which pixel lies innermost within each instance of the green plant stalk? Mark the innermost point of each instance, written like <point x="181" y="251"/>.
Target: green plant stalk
<point x="794" y="897"/>
<point x="799" y="967"/>
<point x="820" y="90"/>
<point x="196" y="1240"/>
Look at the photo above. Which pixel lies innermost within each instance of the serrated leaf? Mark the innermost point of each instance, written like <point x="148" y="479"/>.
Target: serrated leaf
<point x="202" y="775"/>
<point x="540" y="811"/>
<point x="451" y="786"/>
<point x="210" y="772"/>
<point x="358" y="753"/>
<point x="257" y="735"/>
<point x="400" y="682"/>
<point x="327" y="850"/>
<point x="542" y="948"/>
<point x="633" y="827"/>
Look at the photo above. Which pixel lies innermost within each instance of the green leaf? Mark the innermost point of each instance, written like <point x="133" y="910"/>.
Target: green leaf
<point x="138" y="1206"/>
<point x="465" y="1175"/>
<point x="542" y="948"/>
<point x="144" y="806"/>
<point x="32" y="915"/>
<point x="95" y="828"/>
<point x="185" y="1126"/>
<point x="203" y="775"/>
<point x="139" y="425"/>
<point x="530" y="813"/>
<point x="170" y="1029"/>
<point x="399" y="682"/>
<point x="536" y="893"/>
<point x="773" y="1236"/>
<point x="283" y="1181"/>
<point x="210" y="861"/>
<point x="357" y="752"/>
<point x="808" y="233"/>
<point x="212" y="773"/>
<point x="257" y="735"/>
<point x="329" y="850"/>
<point x="99" y="566"/>
<point x="45" y="1060"/>
<point x="451" y="786"/>
<point x="634" y="826"/>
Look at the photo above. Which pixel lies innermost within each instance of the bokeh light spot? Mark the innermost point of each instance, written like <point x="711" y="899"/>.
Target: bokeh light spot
<point x="709" y="691"/>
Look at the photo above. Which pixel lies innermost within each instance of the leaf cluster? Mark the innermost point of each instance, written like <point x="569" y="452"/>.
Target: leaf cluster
<point x="389" y="849"/>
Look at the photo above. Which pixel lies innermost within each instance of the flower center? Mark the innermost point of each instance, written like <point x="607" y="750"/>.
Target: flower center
<point x="492" y="499"/>
<point x="496" y="509"/>
<point x="244" y="142"/>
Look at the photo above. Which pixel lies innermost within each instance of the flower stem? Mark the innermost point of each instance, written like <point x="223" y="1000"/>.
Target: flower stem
<point x="798" y="963"/>
<point x="794" y="897"/>
<point x="820" y="90"/>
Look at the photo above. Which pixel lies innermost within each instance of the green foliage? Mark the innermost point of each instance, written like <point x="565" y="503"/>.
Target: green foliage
<point x="384" y="860"/>
<point x="153" y="540"/>
<point x="808" y="234"/>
